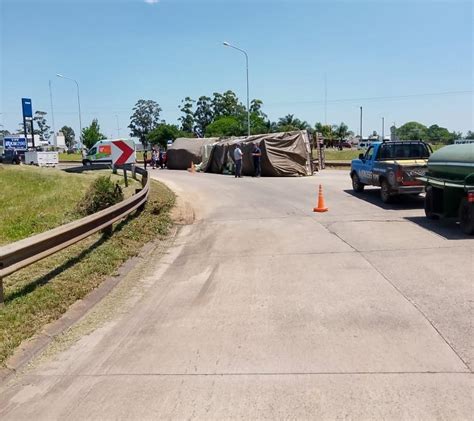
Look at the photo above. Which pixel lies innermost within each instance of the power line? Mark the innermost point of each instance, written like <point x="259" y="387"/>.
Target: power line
<point x="374" y="98"/>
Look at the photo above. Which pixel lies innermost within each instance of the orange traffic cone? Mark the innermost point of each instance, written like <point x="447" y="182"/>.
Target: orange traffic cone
<point x="321" y="206"/>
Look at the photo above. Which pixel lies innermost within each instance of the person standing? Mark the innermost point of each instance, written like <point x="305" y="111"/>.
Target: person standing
<point x="160" y="158"/>
<point x="145" y="157"/>
<point x="257" y="159"/>
<point x="154" y="158"/>
<point x="238" y="161"/>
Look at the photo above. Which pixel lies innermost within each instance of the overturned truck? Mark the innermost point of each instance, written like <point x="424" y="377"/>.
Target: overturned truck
<point x="185" y="151"/>
<point x="285" y="154"/>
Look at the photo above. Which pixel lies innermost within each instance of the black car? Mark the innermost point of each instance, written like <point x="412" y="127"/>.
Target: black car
<point x="12" y="157"/>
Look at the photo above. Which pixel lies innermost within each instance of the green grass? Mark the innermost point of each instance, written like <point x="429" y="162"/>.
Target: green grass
<point x="349" y="154"/>
<point x="63" y="156"/>
<point x="41" y="293"/>
<point x="37" y="199"/>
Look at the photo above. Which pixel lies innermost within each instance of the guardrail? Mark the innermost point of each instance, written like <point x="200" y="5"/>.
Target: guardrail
<point x="22" y="253"/>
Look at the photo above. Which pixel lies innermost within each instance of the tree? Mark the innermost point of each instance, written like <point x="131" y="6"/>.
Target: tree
<point x="470" y="134"/>
<point x="92" y="134"/>
<point x="258" y="125"/>
<point x="341" y="131"/>
<point x="187" y="119"/>
<point x="226" y="104"/>
<point x="412" y="131"/>
<point x="161" y="134"/>
<point x="256" y="108"/>
<point x="145" y="117"/>
<point x="327" y="132"/>
<point x="203" y="115"/>
<point x="225" y="126"/>
<point x="290" y="123"/>
<point x="439" y="134"/>
<point x="43" y="128"/>
<point x="69" y="136"/>
<point x="4" y="132"/>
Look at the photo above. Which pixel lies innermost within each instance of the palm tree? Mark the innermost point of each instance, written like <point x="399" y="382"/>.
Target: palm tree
<point x="290" y="123"/>
<point x="341" y="132"/>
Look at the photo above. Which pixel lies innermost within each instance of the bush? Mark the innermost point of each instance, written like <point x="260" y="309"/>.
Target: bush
<point x="101" y="194"/>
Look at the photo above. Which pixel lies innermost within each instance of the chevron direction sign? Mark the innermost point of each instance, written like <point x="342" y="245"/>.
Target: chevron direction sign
<point x="123" y="152"/>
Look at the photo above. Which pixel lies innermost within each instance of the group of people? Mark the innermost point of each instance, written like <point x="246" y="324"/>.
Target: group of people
<point x="256" y="157"/>
<point x="157" y="158"/>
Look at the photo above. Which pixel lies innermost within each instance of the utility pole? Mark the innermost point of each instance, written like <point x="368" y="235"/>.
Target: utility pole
<point x="52" y="112"/>
<point x="118" y="127"/>
<point x="383" y="129"/>
<point x="325" y="99"/>
<point x="361" y="123"/>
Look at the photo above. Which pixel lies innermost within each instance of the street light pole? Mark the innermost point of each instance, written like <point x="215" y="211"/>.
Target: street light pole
<point x="361" y="123"/>
<point x="78" y="103"/>
<point x="52" y="113"/>
<point x="226" y="44"/>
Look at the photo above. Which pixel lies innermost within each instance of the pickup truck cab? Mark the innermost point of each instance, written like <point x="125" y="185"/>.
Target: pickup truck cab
<point x="393" y="166"/>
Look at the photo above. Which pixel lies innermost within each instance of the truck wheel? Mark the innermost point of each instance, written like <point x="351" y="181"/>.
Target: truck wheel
<point x="385" y="192"/>
<point x="466" y="216"/>
<point x="357" y="186"/>
<point x="429" y="205"/>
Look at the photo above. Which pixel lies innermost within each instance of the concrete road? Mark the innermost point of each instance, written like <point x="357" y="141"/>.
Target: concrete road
<point x="264" y="309"/>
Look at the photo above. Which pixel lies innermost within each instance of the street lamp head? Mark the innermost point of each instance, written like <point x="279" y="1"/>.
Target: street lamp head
<point x="59" y="75"/>
<point x="226" y="44"/>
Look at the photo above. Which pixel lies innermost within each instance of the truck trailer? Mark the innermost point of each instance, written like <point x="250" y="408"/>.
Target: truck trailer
<point x="449" y="185"/>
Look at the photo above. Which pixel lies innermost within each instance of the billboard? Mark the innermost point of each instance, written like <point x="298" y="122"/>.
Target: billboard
<point x="14" y="142"/>
<point x="27" y="108"/>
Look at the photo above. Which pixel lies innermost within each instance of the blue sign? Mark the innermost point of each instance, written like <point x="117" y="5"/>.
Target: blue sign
<point x="27" y="108"/>
<point x="14" y="142"/>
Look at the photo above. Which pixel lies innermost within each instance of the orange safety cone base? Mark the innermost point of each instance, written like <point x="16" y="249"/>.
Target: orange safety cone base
<point x="320" y="210"/>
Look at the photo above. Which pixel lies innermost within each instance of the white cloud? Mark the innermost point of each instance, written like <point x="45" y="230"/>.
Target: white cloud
<point x="151" y="1"/>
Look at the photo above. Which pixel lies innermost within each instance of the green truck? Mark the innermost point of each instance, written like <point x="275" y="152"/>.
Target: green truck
<point x="449" y="185"/>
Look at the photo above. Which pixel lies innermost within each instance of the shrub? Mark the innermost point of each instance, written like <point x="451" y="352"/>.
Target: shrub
<point x="101" y="194"/>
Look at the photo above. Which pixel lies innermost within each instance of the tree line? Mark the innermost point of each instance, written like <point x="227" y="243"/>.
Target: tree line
<point x="223" y="115"/>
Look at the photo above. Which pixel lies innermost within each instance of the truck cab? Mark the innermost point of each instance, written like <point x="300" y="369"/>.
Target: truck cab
<point x="393" y="166"/>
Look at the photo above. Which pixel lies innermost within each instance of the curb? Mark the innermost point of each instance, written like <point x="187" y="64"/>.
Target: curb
<point x="32" y="347"/>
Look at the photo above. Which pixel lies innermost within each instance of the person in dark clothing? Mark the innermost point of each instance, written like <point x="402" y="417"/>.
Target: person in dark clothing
<point x="160" y="159"/>
<point x="257" y="158"/>
<point x="145" y="157"/>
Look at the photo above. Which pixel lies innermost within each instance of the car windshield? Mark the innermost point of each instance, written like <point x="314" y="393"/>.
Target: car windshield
<point x="403" y="151"/>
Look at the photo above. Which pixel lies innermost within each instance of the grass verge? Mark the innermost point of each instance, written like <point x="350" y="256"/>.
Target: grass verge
<point x="63" y="156"/>
<point x="38" y="199"/>
<point x="349" y="154"/>
<point x="41" y="293"/>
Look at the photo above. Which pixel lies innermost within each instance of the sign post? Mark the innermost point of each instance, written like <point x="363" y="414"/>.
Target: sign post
<point x="27" y="109"/>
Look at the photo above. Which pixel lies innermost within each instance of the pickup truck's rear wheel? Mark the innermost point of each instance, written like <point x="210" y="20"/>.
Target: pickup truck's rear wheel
<point x="385" y="192"/>
<point x="357" y="186"/>
<point x="466" y="216"/>
<point x="429" y="204"/>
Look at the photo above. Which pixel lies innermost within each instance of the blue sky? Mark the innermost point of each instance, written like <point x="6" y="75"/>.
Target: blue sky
<point x="384" y="55"/>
